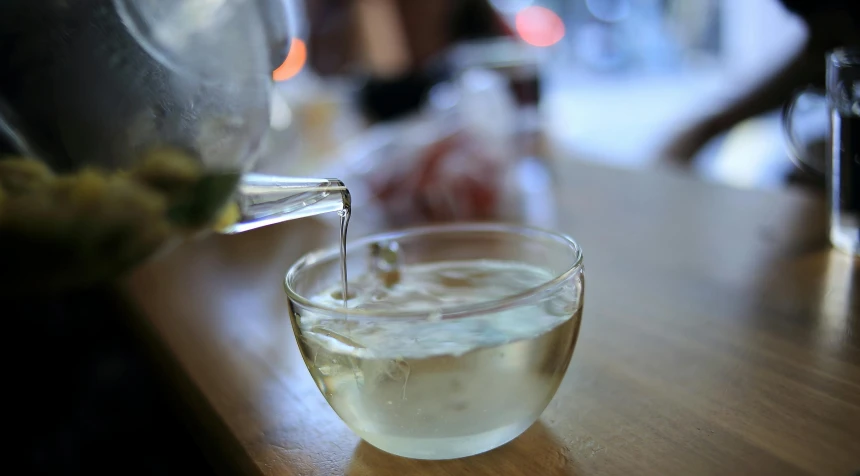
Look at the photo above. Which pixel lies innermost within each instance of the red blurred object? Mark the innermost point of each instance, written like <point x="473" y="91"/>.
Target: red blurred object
<point x="452" y="180"/>
<point x="539" y="26"/>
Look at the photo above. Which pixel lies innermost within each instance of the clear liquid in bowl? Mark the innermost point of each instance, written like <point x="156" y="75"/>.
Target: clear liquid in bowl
<point x="440" y="388"/>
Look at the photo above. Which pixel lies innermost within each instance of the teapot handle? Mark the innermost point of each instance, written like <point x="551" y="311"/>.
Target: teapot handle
<point x="796" y="150"/>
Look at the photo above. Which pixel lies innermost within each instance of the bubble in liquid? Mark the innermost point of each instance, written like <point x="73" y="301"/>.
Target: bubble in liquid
<point x="385" y="260"/>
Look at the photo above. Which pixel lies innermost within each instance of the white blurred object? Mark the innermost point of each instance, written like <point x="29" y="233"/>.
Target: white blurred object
<point x="281" y="114"/>
<point x="751" y="155"/>
<point x="456" y="160"/>
<point x="310" y="120"/>
<point x="757" y="36"/>
<point x="488" y="110"/>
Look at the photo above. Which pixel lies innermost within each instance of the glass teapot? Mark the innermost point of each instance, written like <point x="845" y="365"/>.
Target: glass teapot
<point x="130" y="123"/>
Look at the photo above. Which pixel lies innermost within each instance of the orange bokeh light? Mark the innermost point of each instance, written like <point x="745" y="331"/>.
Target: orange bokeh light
<point x="294" y="62"/>
<point x="539" y="26"/>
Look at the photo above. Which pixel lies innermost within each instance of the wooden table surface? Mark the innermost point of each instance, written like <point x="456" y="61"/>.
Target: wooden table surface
<point x="720" y="336"/>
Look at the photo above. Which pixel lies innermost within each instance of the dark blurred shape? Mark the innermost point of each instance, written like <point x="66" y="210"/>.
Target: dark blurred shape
<point x="476" y="20"/>
<point x="431" y="29"/>
<point x="28" y="38"/>
<point x="331" y="40"/>
<point x="810" y="9"/>
<point x="386" y="99"/>
<point x="85" y="396"/>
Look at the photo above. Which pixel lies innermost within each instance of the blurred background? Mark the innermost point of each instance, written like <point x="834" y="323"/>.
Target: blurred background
<point x="440" y="110"/>
<point x="617" y="79"/>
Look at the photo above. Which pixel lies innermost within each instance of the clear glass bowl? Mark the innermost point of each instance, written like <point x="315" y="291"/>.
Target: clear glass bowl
<point x="451" y="382"/>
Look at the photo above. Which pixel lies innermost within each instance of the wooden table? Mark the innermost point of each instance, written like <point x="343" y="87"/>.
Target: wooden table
<point x="720" y="336"/>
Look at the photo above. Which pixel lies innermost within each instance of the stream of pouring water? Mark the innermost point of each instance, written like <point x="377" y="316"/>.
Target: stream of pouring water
<point x="345" y="213"/>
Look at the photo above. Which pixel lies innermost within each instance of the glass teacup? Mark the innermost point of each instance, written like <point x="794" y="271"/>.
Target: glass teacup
<point x="455" y="338"/>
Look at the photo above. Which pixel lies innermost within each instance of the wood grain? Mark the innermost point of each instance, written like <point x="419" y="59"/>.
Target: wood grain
<point x="720" y="336"/>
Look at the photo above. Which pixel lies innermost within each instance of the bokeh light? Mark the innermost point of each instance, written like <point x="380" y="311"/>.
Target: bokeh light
<point x="294" y="62"/>
<point x="539" y="26"/>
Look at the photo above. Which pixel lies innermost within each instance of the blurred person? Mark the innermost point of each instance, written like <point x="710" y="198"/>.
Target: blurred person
<point x="830" y="24"/>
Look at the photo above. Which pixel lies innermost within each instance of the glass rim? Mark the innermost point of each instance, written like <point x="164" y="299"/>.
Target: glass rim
<point x="845" y="56"/>
<point x="515" y="300"/>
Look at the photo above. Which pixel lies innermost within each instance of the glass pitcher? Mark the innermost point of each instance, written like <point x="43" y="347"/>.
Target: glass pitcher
<point x="136" y="110"/>
<point x="836" y="157"/>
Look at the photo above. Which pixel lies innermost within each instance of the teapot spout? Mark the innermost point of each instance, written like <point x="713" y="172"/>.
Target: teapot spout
<point x="263" y="200"/>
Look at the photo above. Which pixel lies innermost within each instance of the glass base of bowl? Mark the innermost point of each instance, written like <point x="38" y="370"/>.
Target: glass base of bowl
<point x="445" y="448"/>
